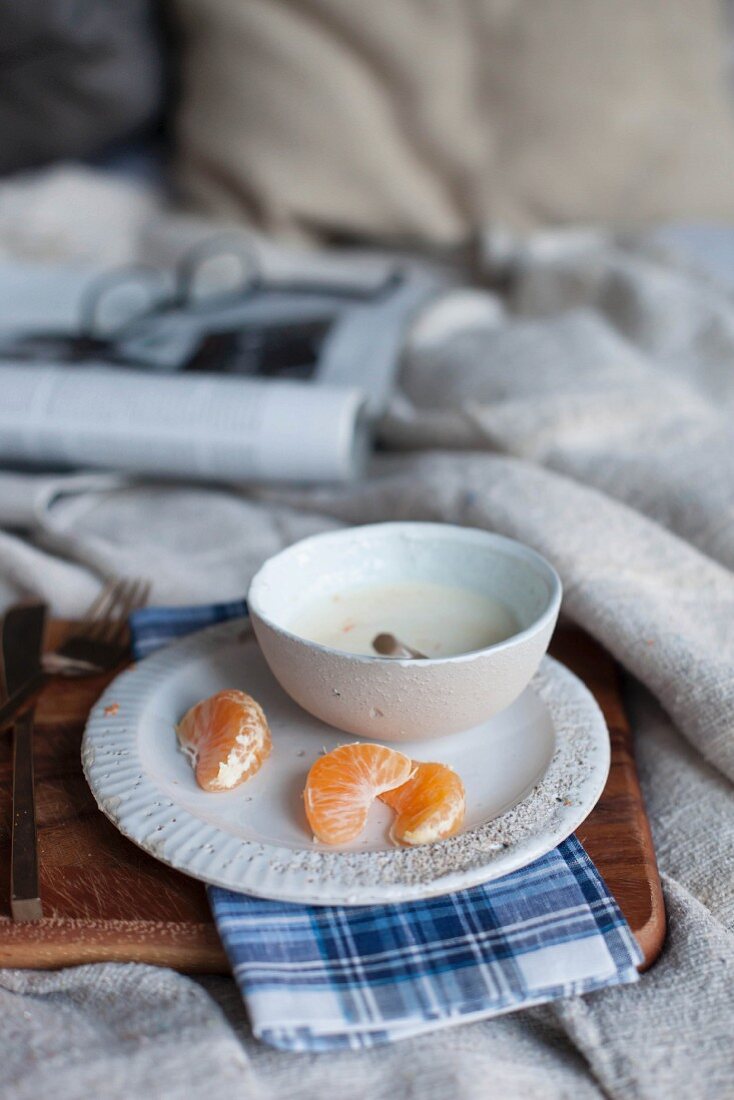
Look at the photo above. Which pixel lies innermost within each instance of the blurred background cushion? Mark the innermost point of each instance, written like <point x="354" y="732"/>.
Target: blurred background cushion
<point x="423" y="119"/>
<point x="76" y="76"/>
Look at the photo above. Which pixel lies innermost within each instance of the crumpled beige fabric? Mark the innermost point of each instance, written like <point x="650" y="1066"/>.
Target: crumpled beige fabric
<point x="424" y="120"/>
<point x="589" y="415"/>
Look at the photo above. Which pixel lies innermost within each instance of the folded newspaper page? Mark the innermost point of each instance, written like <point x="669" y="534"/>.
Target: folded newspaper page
<point x="194" y="426"/>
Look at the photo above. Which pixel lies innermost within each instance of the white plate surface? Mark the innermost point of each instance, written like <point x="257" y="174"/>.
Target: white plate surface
<point x="532" y="774"/>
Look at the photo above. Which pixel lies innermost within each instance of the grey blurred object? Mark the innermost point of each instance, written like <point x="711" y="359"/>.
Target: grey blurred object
<point x="76" y="76"/>
<point x="330" y="331"/>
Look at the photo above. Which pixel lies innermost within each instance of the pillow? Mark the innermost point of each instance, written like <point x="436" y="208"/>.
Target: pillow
<point x="421" y="120"/>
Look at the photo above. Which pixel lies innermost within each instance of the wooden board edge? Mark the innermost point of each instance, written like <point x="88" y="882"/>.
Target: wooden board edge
<point x="188" y="948"/>
<point x="650" y="934"/>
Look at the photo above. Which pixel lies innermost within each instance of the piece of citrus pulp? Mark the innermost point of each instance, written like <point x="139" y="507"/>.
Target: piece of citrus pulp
<point x="342" y="785"/>
<point x="429" y="806"/>
<point x="226" y="738"/>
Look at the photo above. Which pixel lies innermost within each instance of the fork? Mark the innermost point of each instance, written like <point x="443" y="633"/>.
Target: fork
<point x="98" y="644"/>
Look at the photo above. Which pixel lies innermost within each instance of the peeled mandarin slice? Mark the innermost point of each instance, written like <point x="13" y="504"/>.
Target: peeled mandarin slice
<point x="343" y="784"/>
<point x="226" y="738"/>
<point x="430" y="806"/>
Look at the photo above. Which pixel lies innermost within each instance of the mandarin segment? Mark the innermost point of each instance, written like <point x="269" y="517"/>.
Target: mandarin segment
<point x="430" y="806"/>
<point x="226" y="738"/>
<point x="342" y="785"/>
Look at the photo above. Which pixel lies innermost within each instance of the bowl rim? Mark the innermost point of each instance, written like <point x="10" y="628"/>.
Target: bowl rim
<point x="500" y="543"/>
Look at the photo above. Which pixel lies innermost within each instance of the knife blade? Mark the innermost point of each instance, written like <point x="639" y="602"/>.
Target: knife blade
<point x="22" y="638"/>
<point x="22" y="645"/>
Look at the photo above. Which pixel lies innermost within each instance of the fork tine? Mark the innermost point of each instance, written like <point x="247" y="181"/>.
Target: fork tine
<point x="134" y="598"/>
<point x="98" y="627"/>
<point x="137" y="597"/>
<point x="100" y="602"/>
<point x="143" y="595"/>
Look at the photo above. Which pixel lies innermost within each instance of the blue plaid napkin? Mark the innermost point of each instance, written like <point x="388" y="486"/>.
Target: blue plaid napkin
<point x="341" y="977"/>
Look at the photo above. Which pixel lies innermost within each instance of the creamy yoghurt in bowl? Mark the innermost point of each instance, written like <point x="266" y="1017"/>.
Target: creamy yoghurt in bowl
<point x="480" y="606"/>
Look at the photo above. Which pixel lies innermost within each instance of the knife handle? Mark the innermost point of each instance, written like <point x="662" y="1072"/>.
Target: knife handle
<point x="11" y="706"/>
<point x="25" y="893"/>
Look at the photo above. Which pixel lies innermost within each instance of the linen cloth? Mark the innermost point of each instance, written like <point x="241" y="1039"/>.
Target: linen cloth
<point x="589" y="412"/>
<point x="483" y="111"/>
<point x="335" y="977"/>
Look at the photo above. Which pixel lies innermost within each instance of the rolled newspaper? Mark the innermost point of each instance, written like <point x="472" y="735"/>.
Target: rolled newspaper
<point x="184" y="426"/>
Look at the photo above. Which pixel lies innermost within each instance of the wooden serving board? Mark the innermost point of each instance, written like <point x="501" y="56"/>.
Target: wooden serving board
<point x="107" y="900"/>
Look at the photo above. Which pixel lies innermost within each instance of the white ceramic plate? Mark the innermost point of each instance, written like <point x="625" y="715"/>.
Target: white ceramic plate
<point x="532" y="774"/>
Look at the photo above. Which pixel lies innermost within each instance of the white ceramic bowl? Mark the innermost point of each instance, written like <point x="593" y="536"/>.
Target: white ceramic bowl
<point x="388" y="699"/>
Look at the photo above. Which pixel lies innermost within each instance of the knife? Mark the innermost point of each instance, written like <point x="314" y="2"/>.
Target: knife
<point x="22" y="645"/>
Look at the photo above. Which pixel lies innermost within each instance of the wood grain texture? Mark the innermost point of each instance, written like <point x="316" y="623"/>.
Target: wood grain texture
<point x="106" y="900"/>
